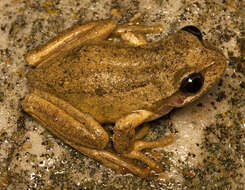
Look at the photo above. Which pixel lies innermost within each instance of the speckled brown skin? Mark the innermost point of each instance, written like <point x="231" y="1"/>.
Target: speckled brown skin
<point x="109" y="81"/>
<point x="98" y="81"/>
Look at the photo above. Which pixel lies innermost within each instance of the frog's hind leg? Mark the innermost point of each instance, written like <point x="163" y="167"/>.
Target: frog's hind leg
<point x="125" y="141"/>
<point x="65" y="121"/>
<point x="69" y="39"/>
<point x="77" y="129"/>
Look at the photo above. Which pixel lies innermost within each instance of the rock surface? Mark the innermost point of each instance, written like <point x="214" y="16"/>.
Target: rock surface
<point x="209" y="151"/>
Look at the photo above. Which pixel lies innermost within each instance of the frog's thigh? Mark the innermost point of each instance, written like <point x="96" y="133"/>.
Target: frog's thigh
<point x="65" y="121"/>
<point x="71" y="38"/>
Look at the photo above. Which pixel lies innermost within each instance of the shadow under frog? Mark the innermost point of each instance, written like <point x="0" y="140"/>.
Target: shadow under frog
<point x="101" y="72"/>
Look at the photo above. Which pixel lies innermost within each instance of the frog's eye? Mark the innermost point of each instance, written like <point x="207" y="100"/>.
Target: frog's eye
<point x="193" y="30"/>
<point x="192" y="83"/>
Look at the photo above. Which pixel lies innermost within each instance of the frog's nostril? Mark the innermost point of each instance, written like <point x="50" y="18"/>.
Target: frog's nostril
<point x="192" y="83"/>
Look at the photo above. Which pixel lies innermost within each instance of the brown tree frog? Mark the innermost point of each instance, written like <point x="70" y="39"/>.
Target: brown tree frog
<point x="103" y="73"/>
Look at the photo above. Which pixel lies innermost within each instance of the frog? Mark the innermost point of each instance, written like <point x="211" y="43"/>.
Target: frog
<point x="103" y="73"/>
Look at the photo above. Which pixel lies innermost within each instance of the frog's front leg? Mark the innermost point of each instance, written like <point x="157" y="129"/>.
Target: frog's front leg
<point x="77" y="129"/>
<point x="125" y="142"/>
<point x="69" y="39"/>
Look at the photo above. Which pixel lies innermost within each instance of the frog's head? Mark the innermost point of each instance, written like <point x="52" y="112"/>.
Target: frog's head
<point x="198" y="70"/>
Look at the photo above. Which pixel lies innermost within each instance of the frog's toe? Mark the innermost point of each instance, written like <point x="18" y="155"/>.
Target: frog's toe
<point x="148" y="161"/>
<point x="140" y="145"/>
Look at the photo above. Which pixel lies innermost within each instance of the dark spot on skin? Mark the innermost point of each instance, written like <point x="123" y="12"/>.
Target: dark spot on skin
<point x="1" y="96"/>
<point x="242" y="85"/>
<point x="220" y="83"/>
<point x="221" y="96"/>
<point x="100" y="91"/>
<point x="199" y="105"/>
<point x="61" y="83"/>
<point x="4" y="134"/>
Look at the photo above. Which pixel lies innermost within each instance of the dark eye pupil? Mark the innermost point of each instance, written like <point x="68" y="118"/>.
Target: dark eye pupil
<point x="192" y="83"/>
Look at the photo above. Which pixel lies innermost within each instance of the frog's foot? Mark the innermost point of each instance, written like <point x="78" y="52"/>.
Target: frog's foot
<point x="124" y="138"/>
<point x="123" y="165"/>
<point x="133" y="33"/>
<point x="140" y="145"/>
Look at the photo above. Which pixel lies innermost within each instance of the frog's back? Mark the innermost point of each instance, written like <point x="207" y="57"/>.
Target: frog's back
<point x="109" y="81"/>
